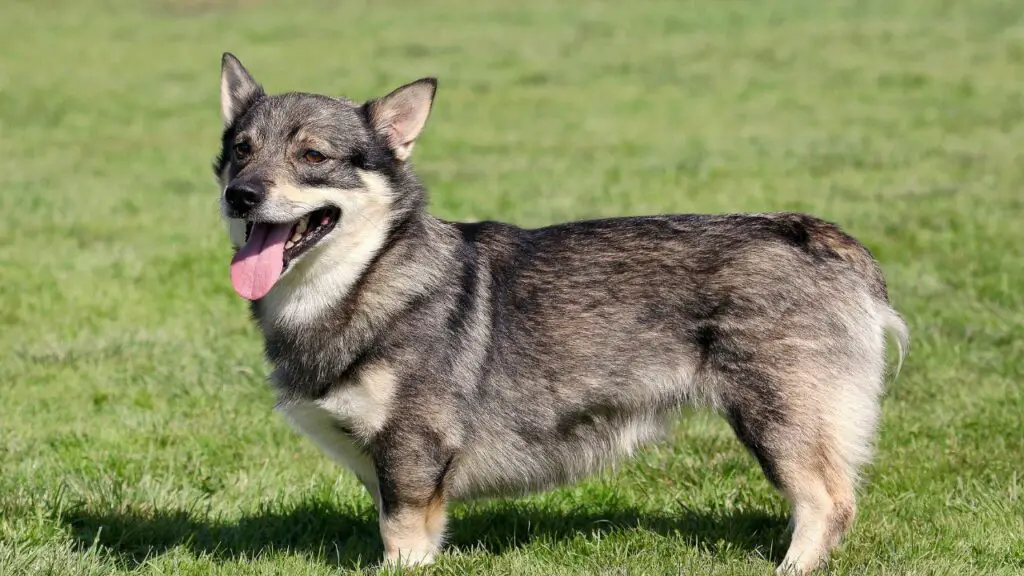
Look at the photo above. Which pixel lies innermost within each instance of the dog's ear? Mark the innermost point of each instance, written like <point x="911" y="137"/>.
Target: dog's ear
<point x="238" y="90"/>
<point x="400" y="116"/>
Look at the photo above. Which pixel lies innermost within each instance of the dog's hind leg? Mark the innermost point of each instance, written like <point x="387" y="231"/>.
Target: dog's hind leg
<point x="810" y="451"/>
<point x="823" y="509"/>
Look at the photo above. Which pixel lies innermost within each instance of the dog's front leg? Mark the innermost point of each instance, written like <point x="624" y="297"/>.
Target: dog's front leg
<point x="412" y="533"/>
<point x="412" y="506"/>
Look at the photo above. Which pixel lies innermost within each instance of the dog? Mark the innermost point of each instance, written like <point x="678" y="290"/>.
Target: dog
<point x="441" y="361"/>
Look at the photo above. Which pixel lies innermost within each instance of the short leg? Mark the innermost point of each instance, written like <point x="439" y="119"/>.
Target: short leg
<point x="801" y="454"/>
<point x="823" y="510"/>
<point x="411" y="470"/>
<point x="412" y="533"/>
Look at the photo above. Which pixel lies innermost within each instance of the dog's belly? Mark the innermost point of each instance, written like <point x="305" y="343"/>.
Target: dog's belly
<point x="583" y="436"/>
<point x="502" y="463"/>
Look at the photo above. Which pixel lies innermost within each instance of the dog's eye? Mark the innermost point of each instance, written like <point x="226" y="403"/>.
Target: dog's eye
<point x="313" y="156"/>
<point x="242" y="150"/>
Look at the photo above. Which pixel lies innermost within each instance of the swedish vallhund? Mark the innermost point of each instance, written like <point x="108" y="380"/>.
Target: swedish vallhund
<point x="441" y="361"/>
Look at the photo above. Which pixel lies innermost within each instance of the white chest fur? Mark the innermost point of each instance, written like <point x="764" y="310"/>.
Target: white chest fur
<point x="323" y="429"/>
<point x="337" y="422"/>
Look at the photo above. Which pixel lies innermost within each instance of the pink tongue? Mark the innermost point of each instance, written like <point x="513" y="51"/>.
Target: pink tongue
<point x="258" y="265"/>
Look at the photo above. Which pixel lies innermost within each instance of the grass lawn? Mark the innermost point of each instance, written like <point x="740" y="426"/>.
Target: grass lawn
<point x="136" y="431"/>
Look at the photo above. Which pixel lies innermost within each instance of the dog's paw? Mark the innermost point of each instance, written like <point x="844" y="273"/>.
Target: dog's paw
<point x="408" y="559"/>
<point x="796" y="568"/>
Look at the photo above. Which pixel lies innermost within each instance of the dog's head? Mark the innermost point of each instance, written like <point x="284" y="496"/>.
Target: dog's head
<point x="302" y="172"/>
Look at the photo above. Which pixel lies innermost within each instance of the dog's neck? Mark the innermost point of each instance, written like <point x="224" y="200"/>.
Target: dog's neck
<point x="324" y="317"/>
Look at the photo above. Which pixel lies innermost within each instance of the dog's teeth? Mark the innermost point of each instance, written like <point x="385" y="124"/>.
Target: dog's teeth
<point x="302" y="225"/>
<point x="296" y="237"/>
<point x="289" y="244"/>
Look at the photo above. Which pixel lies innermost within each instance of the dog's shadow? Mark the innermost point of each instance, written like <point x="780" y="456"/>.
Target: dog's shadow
<point x="349" y="538"/>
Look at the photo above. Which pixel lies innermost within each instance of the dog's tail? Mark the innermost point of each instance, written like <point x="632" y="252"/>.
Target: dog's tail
<point x="894" y="324"/>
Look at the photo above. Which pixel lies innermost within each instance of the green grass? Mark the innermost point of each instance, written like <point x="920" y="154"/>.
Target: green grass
<point x="136" y="431"/>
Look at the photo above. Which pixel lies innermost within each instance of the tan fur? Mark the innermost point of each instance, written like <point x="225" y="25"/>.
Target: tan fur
<point x="412" y="534"/>
<point x="437" y="520"/>
<point x="327" y="272"/>
<point x="362" y="405"/>
<point x="822" y="494"/>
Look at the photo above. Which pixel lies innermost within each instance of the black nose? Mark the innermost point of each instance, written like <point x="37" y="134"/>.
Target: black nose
<point x="242" y="197"/>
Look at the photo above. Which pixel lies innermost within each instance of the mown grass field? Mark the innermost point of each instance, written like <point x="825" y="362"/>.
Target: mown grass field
<point x="136" y="431"/>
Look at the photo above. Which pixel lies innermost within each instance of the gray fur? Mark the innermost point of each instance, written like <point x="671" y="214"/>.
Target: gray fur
<point x="498" y="360"/>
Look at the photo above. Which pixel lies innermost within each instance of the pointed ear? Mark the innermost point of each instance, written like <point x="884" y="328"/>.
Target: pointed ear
<point x="238" y="90"/>
<point x="400" y="116"/>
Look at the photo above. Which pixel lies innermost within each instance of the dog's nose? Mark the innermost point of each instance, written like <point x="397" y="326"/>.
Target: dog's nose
<point x="242" y="197"/>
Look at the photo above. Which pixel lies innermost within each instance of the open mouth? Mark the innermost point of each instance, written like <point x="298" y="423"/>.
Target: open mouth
<point x="305" y="233"/>
<point x="269" y="248"/>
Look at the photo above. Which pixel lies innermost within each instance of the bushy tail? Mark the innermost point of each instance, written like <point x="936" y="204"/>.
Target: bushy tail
<point x="894" y="324"/>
